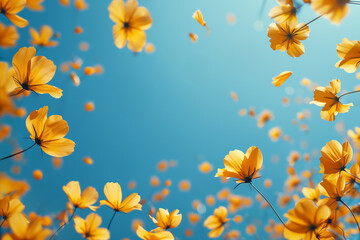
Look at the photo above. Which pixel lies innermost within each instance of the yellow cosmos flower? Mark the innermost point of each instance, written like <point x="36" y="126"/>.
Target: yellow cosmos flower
<point x="49" y="133"/>
<point x="307" y="221"/>
<point x="327" y="98"/>
<point x="335" y="10"/>
<point x="288" y="36"/>
<point x="9" y="208"/>
<point x="216" y="222"/>
<point x="78" y="199"/>
<point x="243" y="167"/>
<point x="33" y="73"/>
<point x="12" y="7"/>
<point x="164" y="220"/>
<point x="10" y="186"/>
<point x="22" y="229"/>
<point x="355" y="136"/>
<point x="43" y="37"/>
<point x="334" y="158"/>
<point x="89" y="228"/>
<point x="281" y="78"/>
<point x="349" y="52"/>
<point x="156" y="234"/>
<point x="8" y="36"/>
<point x="311" y="193"/>
<point x="286" y="12"/>
<point x="333" y="190"/>
<point x="114" y="200"/>
<point x="35" y="5"/>
<point x="197" y="15"/>
<point x="131" y="22"/>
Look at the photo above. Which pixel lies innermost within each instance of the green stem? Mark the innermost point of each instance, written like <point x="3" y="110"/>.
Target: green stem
<point x="62" y="226"/>
<point x="268" y="203"/>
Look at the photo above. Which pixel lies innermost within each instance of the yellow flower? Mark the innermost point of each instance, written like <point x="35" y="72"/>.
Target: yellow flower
<point x="33" y="73"/>
<point x="286" y="12"/>
<point x="10" y="8"/>
<point x="311" y="193"/>
<point x="164" y="220"/>
<point x="197" y="15"/>
<point x="78" y="199"/>
<point x="10" y="207"/>
<point x="35" y="5"/>
<point x="281" y="78"/>
<point x="327" y="98"/>
<point x="49" y="133"/>
<point x="11" y="186"/>
<point x="287" y="36"/>
<point x="243" y="167"/>
<point x="334" y="158"/>
<point x="307" y="221"/>
<point x="89" y="228"/>
<point x="156" y="234"/>
<point x="43" y="37"/>
<point x="131" y="22"/>
<point x="113" y="195"/>
<point x="8" y="36"/>
<point x="355" y="136"/>
<point x="22" y="229"/>
<point x="349" y="51"/>
<point x="216" y="222"/>
<point x="333" y="190"/>
<point x="335" y="10"/>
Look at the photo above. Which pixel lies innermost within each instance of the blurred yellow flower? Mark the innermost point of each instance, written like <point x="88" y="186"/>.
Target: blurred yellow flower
<point x="131" y="22"/>
<point x="349" y="51"/>
<point x="216" y="222"/>
<point x="10" y="8"/>
<point x="49" y="133"/>
<point x="197" y="15"/>
<point x="9" y="208"/>
<point x="78" y="199"/>
<point x="288" y="36"/>
<point x="281" y="78"/>
<point x="8" y="36"/>
<point x="89" y="228"/>
<point x="153" y="235"/>
<point x="33" y="73"/>
<point x="286" y="12"/>
<point x="243" y="167"/>
<point x="335" y="10"/>
<point x="42" y="38"/>
<point x="35" y="5"/>
<point x="164" y="220"/>
<point x="327" y="98"/>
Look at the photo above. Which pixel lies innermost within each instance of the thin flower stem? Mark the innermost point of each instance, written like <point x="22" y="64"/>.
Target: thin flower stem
<point x="2" y="222"/>
<point x="349" y="93"/>
<point x="351" y="213"/>
<point x="306" y="24"/>
<point x="12" y="155"/>
<point x="352" y="175"/>
<point x="268" y="203"/>
<point x="112" y="218"/>
<point x="62" y="226"/>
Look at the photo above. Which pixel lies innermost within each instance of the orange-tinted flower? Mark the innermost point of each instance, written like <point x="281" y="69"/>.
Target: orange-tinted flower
<point x="281" y="78"/>
<point x="311" y="193"/>
<point x="10" y="207"/>
<point x="12" y="7"/>
<point x="80" y="5"/>
<point x="335" y="10"/>
<point x="288" y="36"/>
<point x="49" y="133"/>
<point x="33" y="73"/>
<point x="193" y="37"/>
<point x="13" y="187"/>
<point x="349" y="52"/>
<point x="131" y="22"/>
<point x="164" y="220"/>
<point x="89" y="228"/>
<point x="286" y="12"/>
<point x="114" y="200"/>
<point x="243" y="167"/>
<point x="8" y="36"/>
<point x="35" y="5"/>
<point x="327" y="98"/>
<point x="153" y="235"/>
<point x="78" y="199"/>
<point x="307" y="221"/>
<point x="42" y="38"/>
<point x="333" y="190"/>
<point x="197" y="15"/>
<point x="216" y="222"/>
<point x="335" y="158"/>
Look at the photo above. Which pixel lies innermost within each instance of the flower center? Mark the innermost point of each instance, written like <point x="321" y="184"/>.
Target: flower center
<point x="126" y="25"/>
<point x="38" y="141"/>
<point x="25" y="86"/>
<point x="312" y="228"/>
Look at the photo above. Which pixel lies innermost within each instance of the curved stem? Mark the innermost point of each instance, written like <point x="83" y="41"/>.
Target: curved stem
<point x="351" y="213"/>
<point x="62" y="226"/>
<point x="268" y="203"/>
<point x="351" y="175"/>
<point x="112" y="218"/>
<point x="348" y="93"/>
<point x="12" y="155"/>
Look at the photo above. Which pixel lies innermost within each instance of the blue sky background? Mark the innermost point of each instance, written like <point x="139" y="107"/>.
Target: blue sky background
<point x="176" y="104"/>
